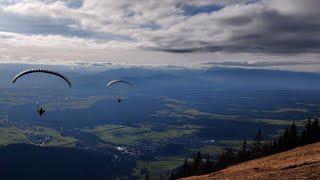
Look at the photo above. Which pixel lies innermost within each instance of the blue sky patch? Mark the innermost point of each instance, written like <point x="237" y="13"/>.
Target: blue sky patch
<point x="194" y="10"/>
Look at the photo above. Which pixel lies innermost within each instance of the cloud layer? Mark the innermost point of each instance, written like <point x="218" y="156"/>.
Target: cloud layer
<point x="285" y="27"/>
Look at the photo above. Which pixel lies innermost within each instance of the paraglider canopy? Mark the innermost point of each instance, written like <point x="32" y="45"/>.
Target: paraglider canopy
<point x="110" y="83"/>
<point x="114" y="82"/>
<point x="23" y="73"/>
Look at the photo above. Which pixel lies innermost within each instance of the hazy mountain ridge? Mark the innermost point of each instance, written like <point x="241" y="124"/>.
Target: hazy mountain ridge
<point x="222" y="78"/>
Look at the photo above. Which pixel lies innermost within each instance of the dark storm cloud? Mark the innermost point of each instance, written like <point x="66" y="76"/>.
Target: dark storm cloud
<point x="255" y="29"/>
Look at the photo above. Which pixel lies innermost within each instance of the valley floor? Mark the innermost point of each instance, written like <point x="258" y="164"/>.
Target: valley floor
<point x="299" y="163"/>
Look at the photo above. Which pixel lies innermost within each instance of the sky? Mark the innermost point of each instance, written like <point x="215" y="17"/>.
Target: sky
<point x="277" y="34"/>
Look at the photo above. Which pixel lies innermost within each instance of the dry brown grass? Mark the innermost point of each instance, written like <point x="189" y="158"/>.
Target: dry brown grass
<point x="299" y="163"/>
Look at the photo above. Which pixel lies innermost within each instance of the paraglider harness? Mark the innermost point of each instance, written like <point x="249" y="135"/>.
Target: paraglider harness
<point x="41" y="111"/>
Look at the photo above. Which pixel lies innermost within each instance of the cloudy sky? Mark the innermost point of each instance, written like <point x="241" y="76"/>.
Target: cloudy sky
<point x="282" y="34"/>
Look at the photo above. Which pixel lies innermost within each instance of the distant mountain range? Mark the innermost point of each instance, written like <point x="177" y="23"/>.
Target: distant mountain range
<point x="222" y="78"/>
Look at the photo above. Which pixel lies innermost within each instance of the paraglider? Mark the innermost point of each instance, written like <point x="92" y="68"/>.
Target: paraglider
<point x="113" y="82"/>
<point x="23" y="73"/>
<point x="110" y="83"/>
<point x="41" y="110"/>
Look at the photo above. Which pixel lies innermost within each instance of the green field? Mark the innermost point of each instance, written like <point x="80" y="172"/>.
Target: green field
<point x="284" y="110"/>
<point x="159" y="167"/>
<point x="208" y="149"/>
<point x="279" y="122"/>
<point x="50" y="100"/>
<point x="126" y="135"/>
<point x="12" y="135"/>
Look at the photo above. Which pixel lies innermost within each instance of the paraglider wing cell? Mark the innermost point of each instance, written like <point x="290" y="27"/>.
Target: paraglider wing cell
<point x="21" y="74"/>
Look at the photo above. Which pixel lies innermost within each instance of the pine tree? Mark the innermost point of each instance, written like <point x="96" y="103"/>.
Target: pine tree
<point x="293" y="136"/>
<point x="207" y="166"/>
<point x="185" y="168"/>
<point x="197" y="161"/>
<point x="257" y="143"/>
<point x="285" y="140"/>
<point x="290" y="138"/>
<point x="244" y="146"/>
<point x="314" y="130"/>
<point x="173" y="175"/>
<point x="318" y="133"/>
<point x="269" y="149"/>
<point x="243" y="154"/>
<point x="227" y="158"/>
<point x="147" y="177"/>
<point x="306" y="136"/>
<point x="274" y="146"/>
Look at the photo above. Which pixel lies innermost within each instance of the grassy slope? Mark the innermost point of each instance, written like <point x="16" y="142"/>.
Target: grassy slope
<point x="299" y="163"/>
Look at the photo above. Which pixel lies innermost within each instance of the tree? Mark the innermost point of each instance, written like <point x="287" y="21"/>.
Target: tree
<point x="306" y="136"/>
<point x="244" y="146"/>
<point x="243" y="154"/>
<point x="206" y="167"/>
<point x="147" y="177"/>
<point x="293" y="136"/>
<point x="197" y="161"/>
<point x="185" y="168"/>
<point x="274" y="146"/>
<point x="226" y="159"/>
<point x="257" y="144"/>
<point x="289" y="139"/>
<point x="285" y="140"/>
<point x="315" y="133"/>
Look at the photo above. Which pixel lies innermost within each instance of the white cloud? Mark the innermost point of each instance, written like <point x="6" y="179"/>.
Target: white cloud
<point x="228" y="26"/>
<point x="47" y="41"/>
<point x="163" y="25"/>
